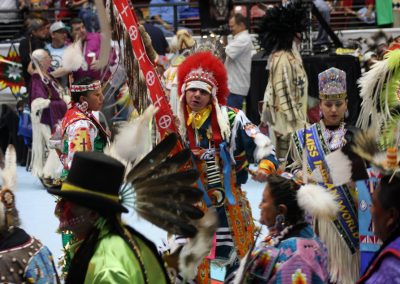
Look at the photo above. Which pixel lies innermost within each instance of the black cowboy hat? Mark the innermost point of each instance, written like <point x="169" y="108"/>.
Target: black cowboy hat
<point x="94" y="181"/>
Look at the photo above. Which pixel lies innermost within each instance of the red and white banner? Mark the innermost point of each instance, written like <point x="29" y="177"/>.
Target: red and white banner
<point x="164" y="117"/>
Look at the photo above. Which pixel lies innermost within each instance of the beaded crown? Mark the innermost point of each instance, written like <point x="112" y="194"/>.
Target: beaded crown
<point x="332" y="84"/>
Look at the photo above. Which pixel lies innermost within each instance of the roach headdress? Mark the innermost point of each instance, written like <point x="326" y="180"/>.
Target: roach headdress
<point x="280" y="25"/>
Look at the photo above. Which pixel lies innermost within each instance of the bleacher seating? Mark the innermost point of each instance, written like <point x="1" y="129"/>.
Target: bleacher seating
<point x="339" y="20"/>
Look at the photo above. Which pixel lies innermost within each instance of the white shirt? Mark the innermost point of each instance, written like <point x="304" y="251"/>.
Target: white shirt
<point x="238" y="63"/>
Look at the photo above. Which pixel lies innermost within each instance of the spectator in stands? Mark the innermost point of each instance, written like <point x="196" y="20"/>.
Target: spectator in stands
<point x="59" y="35"/>
<point x="24" y="139"/>
<point x="163" y="16"/>
<point x="35" y="39"/>
<point x="64" y="10"/>
<point x="38" y="8"/>
<point x="91" y="43"/>
<point x="238" y="61"/>
<point x="182" y="45"/>
<point x="87" y="14"/>
<point x="325" y="10"/>
<point x="362" y="9"/>
<point x="158" y="40"/>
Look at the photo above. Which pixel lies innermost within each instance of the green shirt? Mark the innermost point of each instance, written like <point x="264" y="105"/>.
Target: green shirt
<point x="114" y="262"/>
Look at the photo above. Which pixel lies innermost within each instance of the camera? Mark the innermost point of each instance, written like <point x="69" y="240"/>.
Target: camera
<point x="221" y="30"/>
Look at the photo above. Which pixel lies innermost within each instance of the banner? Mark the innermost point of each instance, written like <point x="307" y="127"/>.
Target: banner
<point x="346" y="221"/>
<point x="369" y="243"/>
<point x="164" y="117"/>
<point x="11" y="71"/>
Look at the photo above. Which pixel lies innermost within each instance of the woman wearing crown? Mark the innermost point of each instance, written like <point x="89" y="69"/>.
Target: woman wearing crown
<point x="314" y="149"/>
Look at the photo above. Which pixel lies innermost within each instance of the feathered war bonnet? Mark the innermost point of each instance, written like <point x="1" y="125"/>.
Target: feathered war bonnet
<point x="8" y="172"/>
<point x="203" y="70"/>
<point x="280" y="25"/>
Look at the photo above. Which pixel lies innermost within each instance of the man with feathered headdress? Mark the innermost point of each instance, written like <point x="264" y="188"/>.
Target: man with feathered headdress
<point x="223" y="142"/>
<point x="284" y="106"/>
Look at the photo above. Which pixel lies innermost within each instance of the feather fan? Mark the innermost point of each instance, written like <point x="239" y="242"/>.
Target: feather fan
<point x="163" y="191"/>
<point x="365" y="144"/>
<point x="153" y="159"/>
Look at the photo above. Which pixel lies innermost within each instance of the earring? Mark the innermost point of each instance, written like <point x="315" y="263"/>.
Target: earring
<point x="321" y="115"/>
<point x="346" y="114"/>
<point x="83" y="106"/>
<point x="280" y="222"/>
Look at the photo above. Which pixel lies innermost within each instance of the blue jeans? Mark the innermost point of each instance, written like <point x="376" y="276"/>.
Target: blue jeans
<point x="235" y="101"/>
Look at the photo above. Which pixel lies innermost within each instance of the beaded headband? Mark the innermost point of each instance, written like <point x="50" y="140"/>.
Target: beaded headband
<point x="200" y="75"/>
<point x="82" y="88"/>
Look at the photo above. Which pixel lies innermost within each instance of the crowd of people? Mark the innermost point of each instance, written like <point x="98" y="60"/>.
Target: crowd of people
<point x="190" y="183"/>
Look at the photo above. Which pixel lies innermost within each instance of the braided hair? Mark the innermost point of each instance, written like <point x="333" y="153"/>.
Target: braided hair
<point x="284" y="191"/>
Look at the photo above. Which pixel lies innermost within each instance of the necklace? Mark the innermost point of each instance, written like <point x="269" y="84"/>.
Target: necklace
<point x="334" y="138"/>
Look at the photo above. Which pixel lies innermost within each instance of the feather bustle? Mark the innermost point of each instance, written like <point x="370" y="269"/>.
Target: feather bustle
<point x="170" y="165"/>
<point x="181" y="178"/>
<point x="167" y="220"/>
<point x="187" y="194"/>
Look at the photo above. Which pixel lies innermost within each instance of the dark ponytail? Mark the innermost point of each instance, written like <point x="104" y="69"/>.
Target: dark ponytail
<point x="80" y="261"/>
<point x="284" y="191"/>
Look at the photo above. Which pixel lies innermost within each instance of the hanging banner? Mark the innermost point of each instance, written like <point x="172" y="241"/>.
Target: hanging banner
<point x="369" y="242"/>
<point x="164" y="117"/>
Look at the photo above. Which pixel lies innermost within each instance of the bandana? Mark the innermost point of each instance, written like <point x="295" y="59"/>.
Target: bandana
<point x="199" y="85"/>
<point x="198" y="118"/>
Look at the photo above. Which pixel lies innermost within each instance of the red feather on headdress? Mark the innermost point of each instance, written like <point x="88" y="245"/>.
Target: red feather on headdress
<point x="208" y="62"/>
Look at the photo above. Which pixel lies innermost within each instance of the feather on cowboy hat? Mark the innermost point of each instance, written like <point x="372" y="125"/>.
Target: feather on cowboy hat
<point x="94" y="181"/>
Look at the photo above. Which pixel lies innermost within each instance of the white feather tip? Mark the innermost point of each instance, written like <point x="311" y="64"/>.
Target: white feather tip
<point x="134" y="138"/>
<point x="9" y="173"/>
<point x="73" y="58"/>
<point x="317" y="201"/>
<point x="264" y="146"/>
<point x="340" y="167"/>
